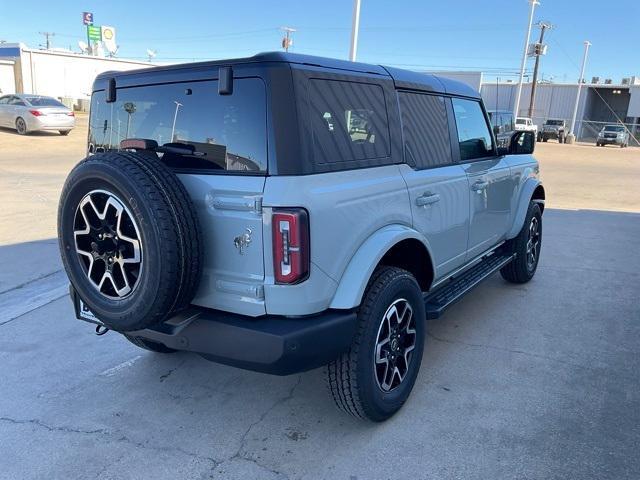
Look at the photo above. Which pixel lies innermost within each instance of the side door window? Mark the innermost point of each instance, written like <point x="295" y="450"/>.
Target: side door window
<point x="425" y="131"/>
<point x="489" y="179"/>
<point x="474" y="137"/>
<point x="438" y="187"/>
<point x="17" y="102"/>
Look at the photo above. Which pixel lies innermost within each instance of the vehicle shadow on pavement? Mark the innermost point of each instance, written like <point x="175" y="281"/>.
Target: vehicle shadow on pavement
<point x="38" y="133"/>
<point x="509" y="375"/>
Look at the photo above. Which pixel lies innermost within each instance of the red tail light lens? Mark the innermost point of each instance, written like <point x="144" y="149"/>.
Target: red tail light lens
<point x="71" y="114"/>
<point x="290" y="245"/>
<point x="36" y="113"/>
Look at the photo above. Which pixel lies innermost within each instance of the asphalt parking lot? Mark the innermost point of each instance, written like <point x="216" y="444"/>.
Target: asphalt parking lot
<point x="535" y="381"/>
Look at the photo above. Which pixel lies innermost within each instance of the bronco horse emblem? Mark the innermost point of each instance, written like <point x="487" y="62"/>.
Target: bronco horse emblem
<point x="242" y="241"/>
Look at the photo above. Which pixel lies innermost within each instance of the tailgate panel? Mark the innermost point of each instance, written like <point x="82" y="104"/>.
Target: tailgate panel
<point x="230" y="207"/>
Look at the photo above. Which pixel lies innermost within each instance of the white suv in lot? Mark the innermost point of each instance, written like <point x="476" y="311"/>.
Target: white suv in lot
<point x="525" y="124"/>
<point x="284" y="212"/>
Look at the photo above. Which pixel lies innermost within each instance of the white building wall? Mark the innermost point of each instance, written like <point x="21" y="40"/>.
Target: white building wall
<point x="473" y="79"/>
<point x="552" y="100"/>
<point x="60" y="74"/>
<point x="7" y="77"/>
<point x="66" y="75"/>
<point x="634" y="102"/>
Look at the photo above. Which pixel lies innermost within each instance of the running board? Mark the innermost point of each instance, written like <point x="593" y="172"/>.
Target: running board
<point x="455" y="288"/>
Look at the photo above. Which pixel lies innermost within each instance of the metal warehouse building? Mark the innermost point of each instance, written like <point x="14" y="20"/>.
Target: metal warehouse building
<point x="63" y="75"/>
<point x="599" y="104"/>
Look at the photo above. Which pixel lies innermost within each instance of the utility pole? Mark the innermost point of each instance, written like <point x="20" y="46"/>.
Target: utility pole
<point x="47" y="36"/>
<point x="287" y="41"/>
<point x="572" y="133"/>
<point x="538" y="51"/>
<point x="524" y="57"/>
<point x="355" y="28"/>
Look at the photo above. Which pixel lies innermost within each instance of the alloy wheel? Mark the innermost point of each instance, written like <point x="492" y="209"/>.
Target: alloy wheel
<point x="533" y="243"/>
<point x="107" y="241"/>
<point x="21" y="126"/>
<point x="395" y="343"/>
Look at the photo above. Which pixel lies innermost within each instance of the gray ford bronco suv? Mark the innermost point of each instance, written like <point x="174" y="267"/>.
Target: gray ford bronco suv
<point x="285" y="212"/>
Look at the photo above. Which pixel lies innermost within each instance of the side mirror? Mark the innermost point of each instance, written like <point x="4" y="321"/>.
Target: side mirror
<point x="522" y="143"/>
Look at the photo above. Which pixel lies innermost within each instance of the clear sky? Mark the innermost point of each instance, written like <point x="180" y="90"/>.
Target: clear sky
<point x="485" y="35"/>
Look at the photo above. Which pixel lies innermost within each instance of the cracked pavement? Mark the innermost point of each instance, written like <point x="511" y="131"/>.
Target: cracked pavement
<point x="535" y="381"/>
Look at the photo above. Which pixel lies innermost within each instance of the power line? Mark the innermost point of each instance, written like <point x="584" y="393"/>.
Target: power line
<point x="47" y="36"/>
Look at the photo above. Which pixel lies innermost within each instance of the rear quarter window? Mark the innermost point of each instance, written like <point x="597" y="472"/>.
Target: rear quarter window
<point x="349" y="122"/>
<point x="229" y="132"/>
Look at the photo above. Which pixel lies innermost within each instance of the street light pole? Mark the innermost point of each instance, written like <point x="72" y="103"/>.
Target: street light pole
<point x="516" y="107"/>
<point x="355" y="27"/>
<point x="532" y="101"/>
<point x="587" y="44"/>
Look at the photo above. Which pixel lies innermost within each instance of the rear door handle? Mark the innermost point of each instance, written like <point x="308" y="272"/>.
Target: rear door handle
<point x="479" y="186"/>
<point x="427" y="199"/>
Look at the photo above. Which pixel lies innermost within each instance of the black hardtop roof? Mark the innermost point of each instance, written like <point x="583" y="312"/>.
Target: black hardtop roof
<point x="402" y="78"/>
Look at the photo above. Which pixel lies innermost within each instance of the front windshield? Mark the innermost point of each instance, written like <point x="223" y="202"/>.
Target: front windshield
<point x="521" y="121"/>
<point x="43" y="102"/>
<point x="554" y="122"/>
<point x="613" y="128"/>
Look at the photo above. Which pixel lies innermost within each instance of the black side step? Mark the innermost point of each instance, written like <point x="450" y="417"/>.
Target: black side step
<point x="445" y="295"/>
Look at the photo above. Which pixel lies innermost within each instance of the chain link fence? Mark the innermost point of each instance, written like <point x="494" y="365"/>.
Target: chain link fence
<point x="587" y="130"/>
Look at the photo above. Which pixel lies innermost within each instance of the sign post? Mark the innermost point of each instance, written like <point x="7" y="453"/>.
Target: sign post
<point x="87" y="19"/>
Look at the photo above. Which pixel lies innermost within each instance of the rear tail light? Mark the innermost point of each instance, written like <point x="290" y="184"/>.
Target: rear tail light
<point x="36" y="113"/>
<point x="71" y="114"/>
<point x="290" y="245"/>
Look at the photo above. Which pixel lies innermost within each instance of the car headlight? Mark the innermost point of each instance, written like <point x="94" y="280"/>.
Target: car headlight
<point x="601" y="134"/>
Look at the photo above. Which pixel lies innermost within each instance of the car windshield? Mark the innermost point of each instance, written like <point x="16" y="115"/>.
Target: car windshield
<point x="554" y="122"/>
<point x="44" y="102"/>
<point x="521" y="121"/>
<point x="613" y="128"/>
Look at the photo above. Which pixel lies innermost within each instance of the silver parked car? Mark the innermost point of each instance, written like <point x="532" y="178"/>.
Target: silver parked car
<point x="28" y="113"/>
<point x="613" y="135"/>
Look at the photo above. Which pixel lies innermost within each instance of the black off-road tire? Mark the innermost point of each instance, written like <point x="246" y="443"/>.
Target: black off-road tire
<point x="520" y="270"/>
<point x="170" y="237"/>
<point x="64" y="133"/>
<point x="351" y="378"/>
<point x="149" y="345"/>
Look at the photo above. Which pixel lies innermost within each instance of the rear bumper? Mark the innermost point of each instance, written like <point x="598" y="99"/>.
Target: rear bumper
<point x="47" y="122"/>
<point x="269" y="344"/>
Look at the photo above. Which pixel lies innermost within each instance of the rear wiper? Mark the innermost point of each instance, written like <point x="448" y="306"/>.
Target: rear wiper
<point x="177" y="148"/>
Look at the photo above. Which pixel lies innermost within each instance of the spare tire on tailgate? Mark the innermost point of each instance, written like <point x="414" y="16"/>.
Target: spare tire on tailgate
<point x="129" y="238"/>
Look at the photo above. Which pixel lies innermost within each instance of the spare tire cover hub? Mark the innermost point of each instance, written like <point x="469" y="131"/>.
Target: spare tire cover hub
<point x="107" y="241"/>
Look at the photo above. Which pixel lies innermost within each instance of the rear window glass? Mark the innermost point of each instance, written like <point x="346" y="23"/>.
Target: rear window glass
<point x="349" y="121"/>
<point x="44" y="102"/>
<point x="229" y="132"/>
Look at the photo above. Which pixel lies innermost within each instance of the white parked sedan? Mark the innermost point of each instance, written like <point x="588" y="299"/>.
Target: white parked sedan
<point x="27" y="113"/>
